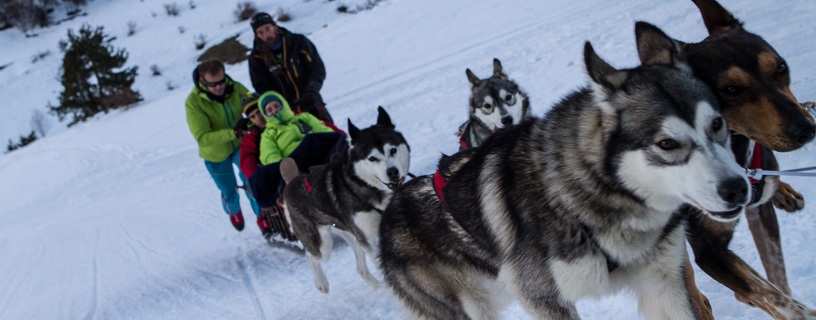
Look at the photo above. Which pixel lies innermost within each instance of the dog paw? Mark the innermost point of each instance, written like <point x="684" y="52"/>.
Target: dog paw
<point x="787" y="198"/>
<point x="322" y="287"/>
<point x="372" y="282"/>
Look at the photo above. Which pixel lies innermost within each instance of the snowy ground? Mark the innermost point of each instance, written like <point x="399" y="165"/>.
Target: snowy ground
<point x="117" y="217"/>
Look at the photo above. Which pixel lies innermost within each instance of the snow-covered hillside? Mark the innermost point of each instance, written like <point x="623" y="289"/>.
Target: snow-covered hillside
<point x="117" y="218"/>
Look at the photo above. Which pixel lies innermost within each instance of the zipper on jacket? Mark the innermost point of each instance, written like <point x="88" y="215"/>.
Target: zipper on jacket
<point x="229" y="122"/>
<point x="308" y="57"/>
<point x="294" y="85"/>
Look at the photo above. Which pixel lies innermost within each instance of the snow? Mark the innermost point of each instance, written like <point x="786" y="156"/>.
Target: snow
<point x="117" y="218"/>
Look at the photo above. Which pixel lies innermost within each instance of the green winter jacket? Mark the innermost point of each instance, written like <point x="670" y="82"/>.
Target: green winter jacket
<point x="284" y="132"/>
<point x="211" y="121"/>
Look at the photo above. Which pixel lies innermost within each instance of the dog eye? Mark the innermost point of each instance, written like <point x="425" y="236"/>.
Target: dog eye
<point x="487" y="106"/>
<point x="717" y="124"/>
<point x="393" y="151"/>
<point x="732" y="90"/>
<point x="508" y="97"/>
<point x="373" y="159"/>
<point x="668" y="144"/>
<point x="781" y="69"/>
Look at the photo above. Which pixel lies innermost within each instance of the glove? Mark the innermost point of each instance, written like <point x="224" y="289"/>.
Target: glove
<point x="240" y="127"/>
<point x="310" y="101"/>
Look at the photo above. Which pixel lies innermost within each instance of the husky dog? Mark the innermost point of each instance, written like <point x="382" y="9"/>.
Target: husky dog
<point x="578" y="204"/>
<point x="347" y="196"/>
<point x="495" y="103"/>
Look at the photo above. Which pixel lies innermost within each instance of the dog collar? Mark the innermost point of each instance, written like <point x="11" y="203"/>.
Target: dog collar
<point x="307" y="184"/>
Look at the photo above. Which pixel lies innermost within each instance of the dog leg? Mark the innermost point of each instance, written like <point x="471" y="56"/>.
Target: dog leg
<point x="326" y="242"/>
<point x="320" y="279"/>
<point x="701" y="303"/>
<point x="360" y="256"/>
<point x="787" y="198"/>
<point x="710" y="240"/>
<point x="765" y="229"/>
<point x="660" y="283"/>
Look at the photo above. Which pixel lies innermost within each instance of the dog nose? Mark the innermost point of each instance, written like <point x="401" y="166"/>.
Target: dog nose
<point x="393" y="174"/>
<point x="507" y="120"/>
<point x="734" y="191"/>
<point x="802" y="131"/>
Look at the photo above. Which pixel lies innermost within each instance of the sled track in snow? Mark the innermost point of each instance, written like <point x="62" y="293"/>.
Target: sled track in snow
<point x="250" y="286"/>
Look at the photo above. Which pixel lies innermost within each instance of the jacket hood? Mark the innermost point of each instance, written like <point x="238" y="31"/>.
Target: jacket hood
<point x="284" y="115"/>
<point x="200" y="89"/>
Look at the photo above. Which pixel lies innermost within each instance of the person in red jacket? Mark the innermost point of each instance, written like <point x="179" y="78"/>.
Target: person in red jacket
<point x="252" y="125"/>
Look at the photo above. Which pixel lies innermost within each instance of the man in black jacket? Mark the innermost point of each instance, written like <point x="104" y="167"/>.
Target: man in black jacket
<point x="289" y="64"/>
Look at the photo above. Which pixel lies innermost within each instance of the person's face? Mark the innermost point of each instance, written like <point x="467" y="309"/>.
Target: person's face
<point x="272" y="108"/>
<point x="257" y="118"/>
<point x="216" y="83"/>
<point x="268" y="33"/>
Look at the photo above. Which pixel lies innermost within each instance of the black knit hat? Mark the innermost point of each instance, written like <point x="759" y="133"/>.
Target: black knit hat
<point x="249" y="103"/>
<point x="259" y="19"/>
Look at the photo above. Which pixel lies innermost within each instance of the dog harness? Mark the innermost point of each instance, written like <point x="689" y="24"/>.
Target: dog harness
<point x="756" y="161"/>
<point x="440" y="181"/>
<point x="462" y="142"/>
<point x="757" y="185"/>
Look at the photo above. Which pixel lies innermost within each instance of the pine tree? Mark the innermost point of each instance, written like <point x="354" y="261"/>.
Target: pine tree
<point x="90" y="83"/>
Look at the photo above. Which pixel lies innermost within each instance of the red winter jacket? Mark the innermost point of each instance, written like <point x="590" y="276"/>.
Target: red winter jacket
<point x="250" y="152"/>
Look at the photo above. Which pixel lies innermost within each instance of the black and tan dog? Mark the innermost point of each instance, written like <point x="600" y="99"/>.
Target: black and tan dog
<point x="751" y="82"/>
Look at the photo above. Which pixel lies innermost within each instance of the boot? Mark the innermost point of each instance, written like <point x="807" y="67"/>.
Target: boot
<point x="288" y="169"/>
<point x="237" y="220"/>
<point x="265" y="226"/>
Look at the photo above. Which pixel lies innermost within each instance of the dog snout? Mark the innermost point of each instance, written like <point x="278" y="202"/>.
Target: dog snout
<point x="508" y="120"/>
<point x="802" y="131"/>
<point x="734" y="191"/>
<point x="393" y="174"/>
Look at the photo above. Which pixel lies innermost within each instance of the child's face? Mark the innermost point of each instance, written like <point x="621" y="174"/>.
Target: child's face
<point x="256" y="118"/>
<point x="272" y="108"/>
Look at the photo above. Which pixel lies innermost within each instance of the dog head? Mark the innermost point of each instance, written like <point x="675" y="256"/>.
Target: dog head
<point x="751" y="82"/>
<point x="379" y="155"/>
<point x="664" y="133"/>
<point x="497" y="102"/>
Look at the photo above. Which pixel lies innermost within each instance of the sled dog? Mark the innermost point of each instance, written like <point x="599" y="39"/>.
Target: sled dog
<point x="347" y="196"/>
<point x="752" y="84"/>
<point x="581" y="203"/>
<point x="496" y="102"/>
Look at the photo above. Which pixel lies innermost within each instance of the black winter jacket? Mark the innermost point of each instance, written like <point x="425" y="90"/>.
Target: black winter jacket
<point x="299" y="70"/>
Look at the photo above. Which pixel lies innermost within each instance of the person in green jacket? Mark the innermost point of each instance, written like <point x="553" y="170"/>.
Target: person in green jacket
<point x="213" y="109"/>
<point x="302" y="137"/>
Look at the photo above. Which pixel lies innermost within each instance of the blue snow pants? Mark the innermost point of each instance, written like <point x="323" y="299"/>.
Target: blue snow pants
<point x="224" y="176"/>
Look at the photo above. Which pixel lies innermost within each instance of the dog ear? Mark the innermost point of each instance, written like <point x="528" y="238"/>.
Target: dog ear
<point x="654" y="46"/>
<point x="601" y="72"/>
<point x="383" y="119"/>
<point x="474" y="80"/>
<point x="715" y="17"/>
<point x="497" y="69"/>
<point x="353" y="131"/>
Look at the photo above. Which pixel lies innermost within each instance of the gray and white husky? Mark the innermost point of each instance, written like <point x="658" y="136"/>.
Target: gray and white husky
<point x="347" y="196"/>
<point x="495" y="103"/>
<point x="579" y="204"/>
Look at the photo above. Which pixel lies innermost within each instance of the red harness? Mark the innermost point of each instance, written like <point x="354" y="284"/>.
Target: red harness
<point x="439" y="183"/>
<point x="756" y="161"/>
